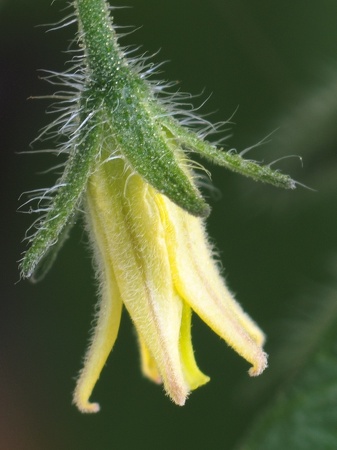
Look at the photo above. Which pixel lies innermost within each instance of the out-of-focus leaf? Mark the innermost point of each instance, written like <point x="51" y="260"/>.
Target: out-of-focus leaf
<point x="304" y="416"/>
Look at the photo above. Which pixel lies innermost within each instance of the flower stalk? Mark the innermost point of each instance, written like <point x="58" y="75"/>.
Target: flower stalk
<point x="128" y="169"/>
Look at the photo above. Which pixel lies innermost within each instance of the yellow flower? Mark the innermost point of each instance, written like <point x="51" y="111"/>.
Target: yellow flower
<point x="154" y="257"/>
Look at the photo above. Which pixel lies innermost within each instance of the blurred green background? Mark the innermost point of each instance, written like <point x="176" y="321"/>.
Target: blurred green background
<point x="271" y="67"/>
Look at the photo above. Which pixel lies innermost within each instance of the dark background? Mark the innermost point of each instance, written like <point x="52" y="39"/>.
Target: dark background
<point x="270" y="66"/>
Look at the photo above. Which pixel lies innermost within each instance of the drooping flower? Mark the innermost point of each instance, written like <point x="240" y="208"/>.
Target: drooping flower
<point x="128" y="169"/>
<point x="153" y="257"/>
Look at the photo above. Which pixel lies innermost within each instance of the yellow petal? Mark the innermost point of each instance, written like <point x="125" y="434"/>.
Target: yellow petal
<point x="199" y="283"/>
<point x="135" y="240"/>
<point x="107" y="321"/>
<point x="148" y="363"/>
<point x="194" y="377"/>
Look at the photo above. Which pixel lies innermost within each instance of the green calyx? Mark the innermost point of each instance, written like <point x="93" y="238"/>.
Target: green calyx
<point x="118" y="108"/>
<point x="130" y="110"/>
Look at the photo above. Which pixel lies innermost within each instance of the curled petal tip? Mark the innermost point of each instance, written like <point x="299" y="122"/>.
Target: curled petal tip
<point x="177" y="393"/>
<point x="180" y="401"/>
<point x="260" y="365"/>
<point x="88" y="408"/>
<point x="157" y="380"/>
<point x="81" y="401"/>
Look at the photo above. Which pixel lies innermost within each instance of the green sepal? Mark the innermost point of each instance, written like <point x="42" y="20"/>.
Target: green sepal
<point x="63" y="207"/>
<point x="49" y="257"/>
<point x="152" y="154"/>
<point x="231" y="160"/>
